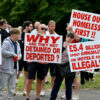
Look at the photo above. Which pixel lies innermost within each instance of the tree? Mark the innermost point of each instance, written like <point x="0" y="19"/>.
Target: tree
<point x="17" y="11"/>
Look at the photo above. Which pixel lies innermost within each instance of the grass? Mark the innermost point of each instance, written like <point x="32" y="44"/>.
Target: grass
<point x="88" y="85"/>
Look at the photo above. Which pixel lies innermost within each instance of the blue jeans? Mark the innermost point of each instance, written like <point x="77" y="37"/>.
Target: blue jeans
<point x="57" y="84"/>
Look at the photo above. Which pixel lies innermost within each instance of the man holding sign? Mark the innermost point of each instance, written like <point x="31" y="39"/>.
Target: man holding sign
<point x="36" y="67"/>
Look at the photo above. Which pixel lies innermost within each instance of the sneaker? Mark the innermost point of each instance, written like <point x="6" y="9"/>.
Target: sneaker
<point x="27" y="99"/>
<point x="47" y="82"/>
<point x="42" y="93"/>
<point x="21" y="75"/>
<point x="16" y="81"/>
<point x="92" y="81"/>
<point x="14" y="94"/>
<point x="37" y="99"/>
<point x="24" y="93"/>
<point x="63" y="97"/>
<point x="75" y="97"/>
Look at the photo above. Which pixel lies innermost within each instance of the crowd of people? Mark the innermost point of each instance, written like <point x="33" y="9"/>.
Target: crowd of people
<point x="12" y="41"/>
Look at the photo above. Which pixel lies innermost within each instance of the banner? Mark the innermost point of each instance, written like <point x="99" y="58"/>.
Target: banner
<point x="0" y="51"/>
<point x="43" y="48"/>
<point x="84" y="56"/>
<point x="85" y="24"/>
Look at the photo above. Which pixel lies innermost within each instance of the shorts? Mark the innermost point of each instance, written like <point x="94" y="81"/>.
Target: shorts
<point x="52" y="69"/>
<point x="23" y="64"/>
<point x="37" y="69"/>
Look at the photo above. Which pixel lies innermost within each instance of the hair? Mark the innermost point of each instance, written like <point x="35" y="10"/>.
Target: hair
<point x="36" y="23"/>
<point x="26" y="23"/>
<point x="14" y="31"/>
<point x="51" y="22"/>
<point x="2" y="21"/>
<point x="41" y="26"/>
<point x="70" y="34"/>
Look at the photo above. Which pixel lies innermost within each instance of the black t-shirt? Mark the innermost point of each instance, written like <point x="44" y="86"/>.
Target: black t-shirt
<point x="4" y="34"/>
<point x="21" y="42"/>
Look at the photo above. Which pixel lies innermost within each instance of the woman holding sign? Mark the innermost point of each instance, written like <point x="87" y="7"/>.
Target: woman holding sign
<point x="59" y="76"/>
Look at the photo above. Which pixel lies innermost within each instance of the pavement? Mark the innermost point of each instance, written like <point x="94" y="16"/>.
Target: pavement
<point x="86" y="94"/>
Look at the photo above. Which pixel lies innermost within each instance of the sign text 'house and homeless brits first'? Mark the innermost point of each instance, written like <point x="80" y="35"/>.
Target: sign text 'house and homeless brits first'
<point x="85" y="24"/>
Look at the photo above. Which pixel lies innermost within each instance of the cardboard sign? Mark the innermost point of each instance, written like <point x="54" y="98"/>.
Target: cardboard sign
<point x="43" y="48"/>
<point x="0" y="51"/>
<point x="84" y="56"/>
<point x="85" y="24"/>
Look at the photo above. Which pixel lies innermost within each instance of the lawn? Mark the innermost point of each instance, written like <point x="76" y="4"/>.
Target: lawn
<point x="88" y="85"/>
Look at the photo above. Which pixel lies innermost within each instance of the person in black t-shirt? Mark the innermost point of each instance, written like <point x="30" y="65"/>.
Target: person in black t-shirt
<point x="27" y="28"/>
<point x="3" y="32"/>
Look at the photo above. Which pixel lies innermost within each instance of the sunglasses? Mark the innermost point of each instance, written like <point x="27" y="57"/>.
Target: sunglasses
<point x="44" y="29"/>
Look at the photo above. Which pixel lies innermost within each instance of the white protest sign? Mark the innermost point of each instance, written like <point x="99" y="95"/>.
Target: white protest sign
<point x="43" y="48"/>
<point x="85" y="24"/>
<point x="0" y="51"/>
<point x="84" y="56"/>
<point x="90" y="70"/>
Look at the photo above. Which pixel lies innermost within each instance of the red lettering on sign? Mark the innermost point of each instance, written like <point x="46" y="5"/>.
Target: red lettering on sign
<point x="81" y="16"/>
<point x="32" y="38"/>
<point x="46" y="39"/>
<point x="54" y="40"/>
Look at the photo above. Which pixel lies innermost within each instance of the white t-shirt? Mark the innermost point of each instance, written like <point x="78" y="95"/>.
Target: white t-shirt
<point x="34" y="32"/>
<point x="48" y="33"/>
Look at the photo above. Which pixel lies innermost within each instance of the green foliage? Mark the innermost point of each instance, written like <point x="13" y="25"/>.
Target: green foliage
<point x="17" y="11"/>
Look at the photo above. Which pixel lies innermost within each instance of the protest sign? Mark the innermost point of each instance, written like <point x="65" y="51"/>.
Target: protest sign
<point x="43" y="48"/>
<point x="84" y="56"/>
<point x="90" y="70"/>
<point x="0" y="51"/>
<point x="85" y="24"/>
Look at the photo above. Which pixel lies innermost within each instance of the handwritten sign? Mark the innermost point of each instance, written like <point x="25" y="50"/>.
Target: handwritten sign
<point x="85" y="24"/>
<point x="43" y="48"/>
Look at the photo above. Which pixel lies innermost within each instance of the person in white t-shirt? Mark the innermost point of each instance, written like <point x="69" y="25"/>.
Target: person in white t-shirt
<point x="36" y="25"/>
<point x="50" y="31"/>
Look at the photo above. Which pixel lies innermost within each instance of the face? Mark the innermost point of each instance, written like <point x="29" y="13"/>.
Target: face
<point x="69" y="39"/>
<point x="37" y="26"/>
<point x="52" y="27"/>
<point x="43" y="29"/>
<point x="16" y="37"/>
<point x="5" y="25"/>
<point x="30" y="28"/>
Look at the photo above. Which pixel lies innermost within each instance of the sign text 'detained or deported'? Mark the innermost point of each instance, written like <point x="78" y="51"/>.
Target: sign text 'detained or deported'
<point x="43" y="48"/>
<point x="86" y="24"/>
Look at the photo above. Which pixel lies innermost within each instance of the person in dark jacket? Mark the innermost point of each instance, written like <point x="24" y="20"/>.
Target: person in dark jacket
<point x="3" y="32"/>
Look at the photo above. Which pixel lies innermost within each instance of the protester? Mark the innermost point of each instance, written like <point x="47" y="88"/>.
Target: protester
<point x="3" y="32"/>
<point x="59" y="79"/>
<point x="76" y="80"/>
<point x="36" y="68"/>
<point x="51" y="31"/>
<point x="8" y="70"/>
<point x="8" y="28"/>
<point x="27" y="28"/>
<point x="20" y="29"/>
<point x="36" y="25"/>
